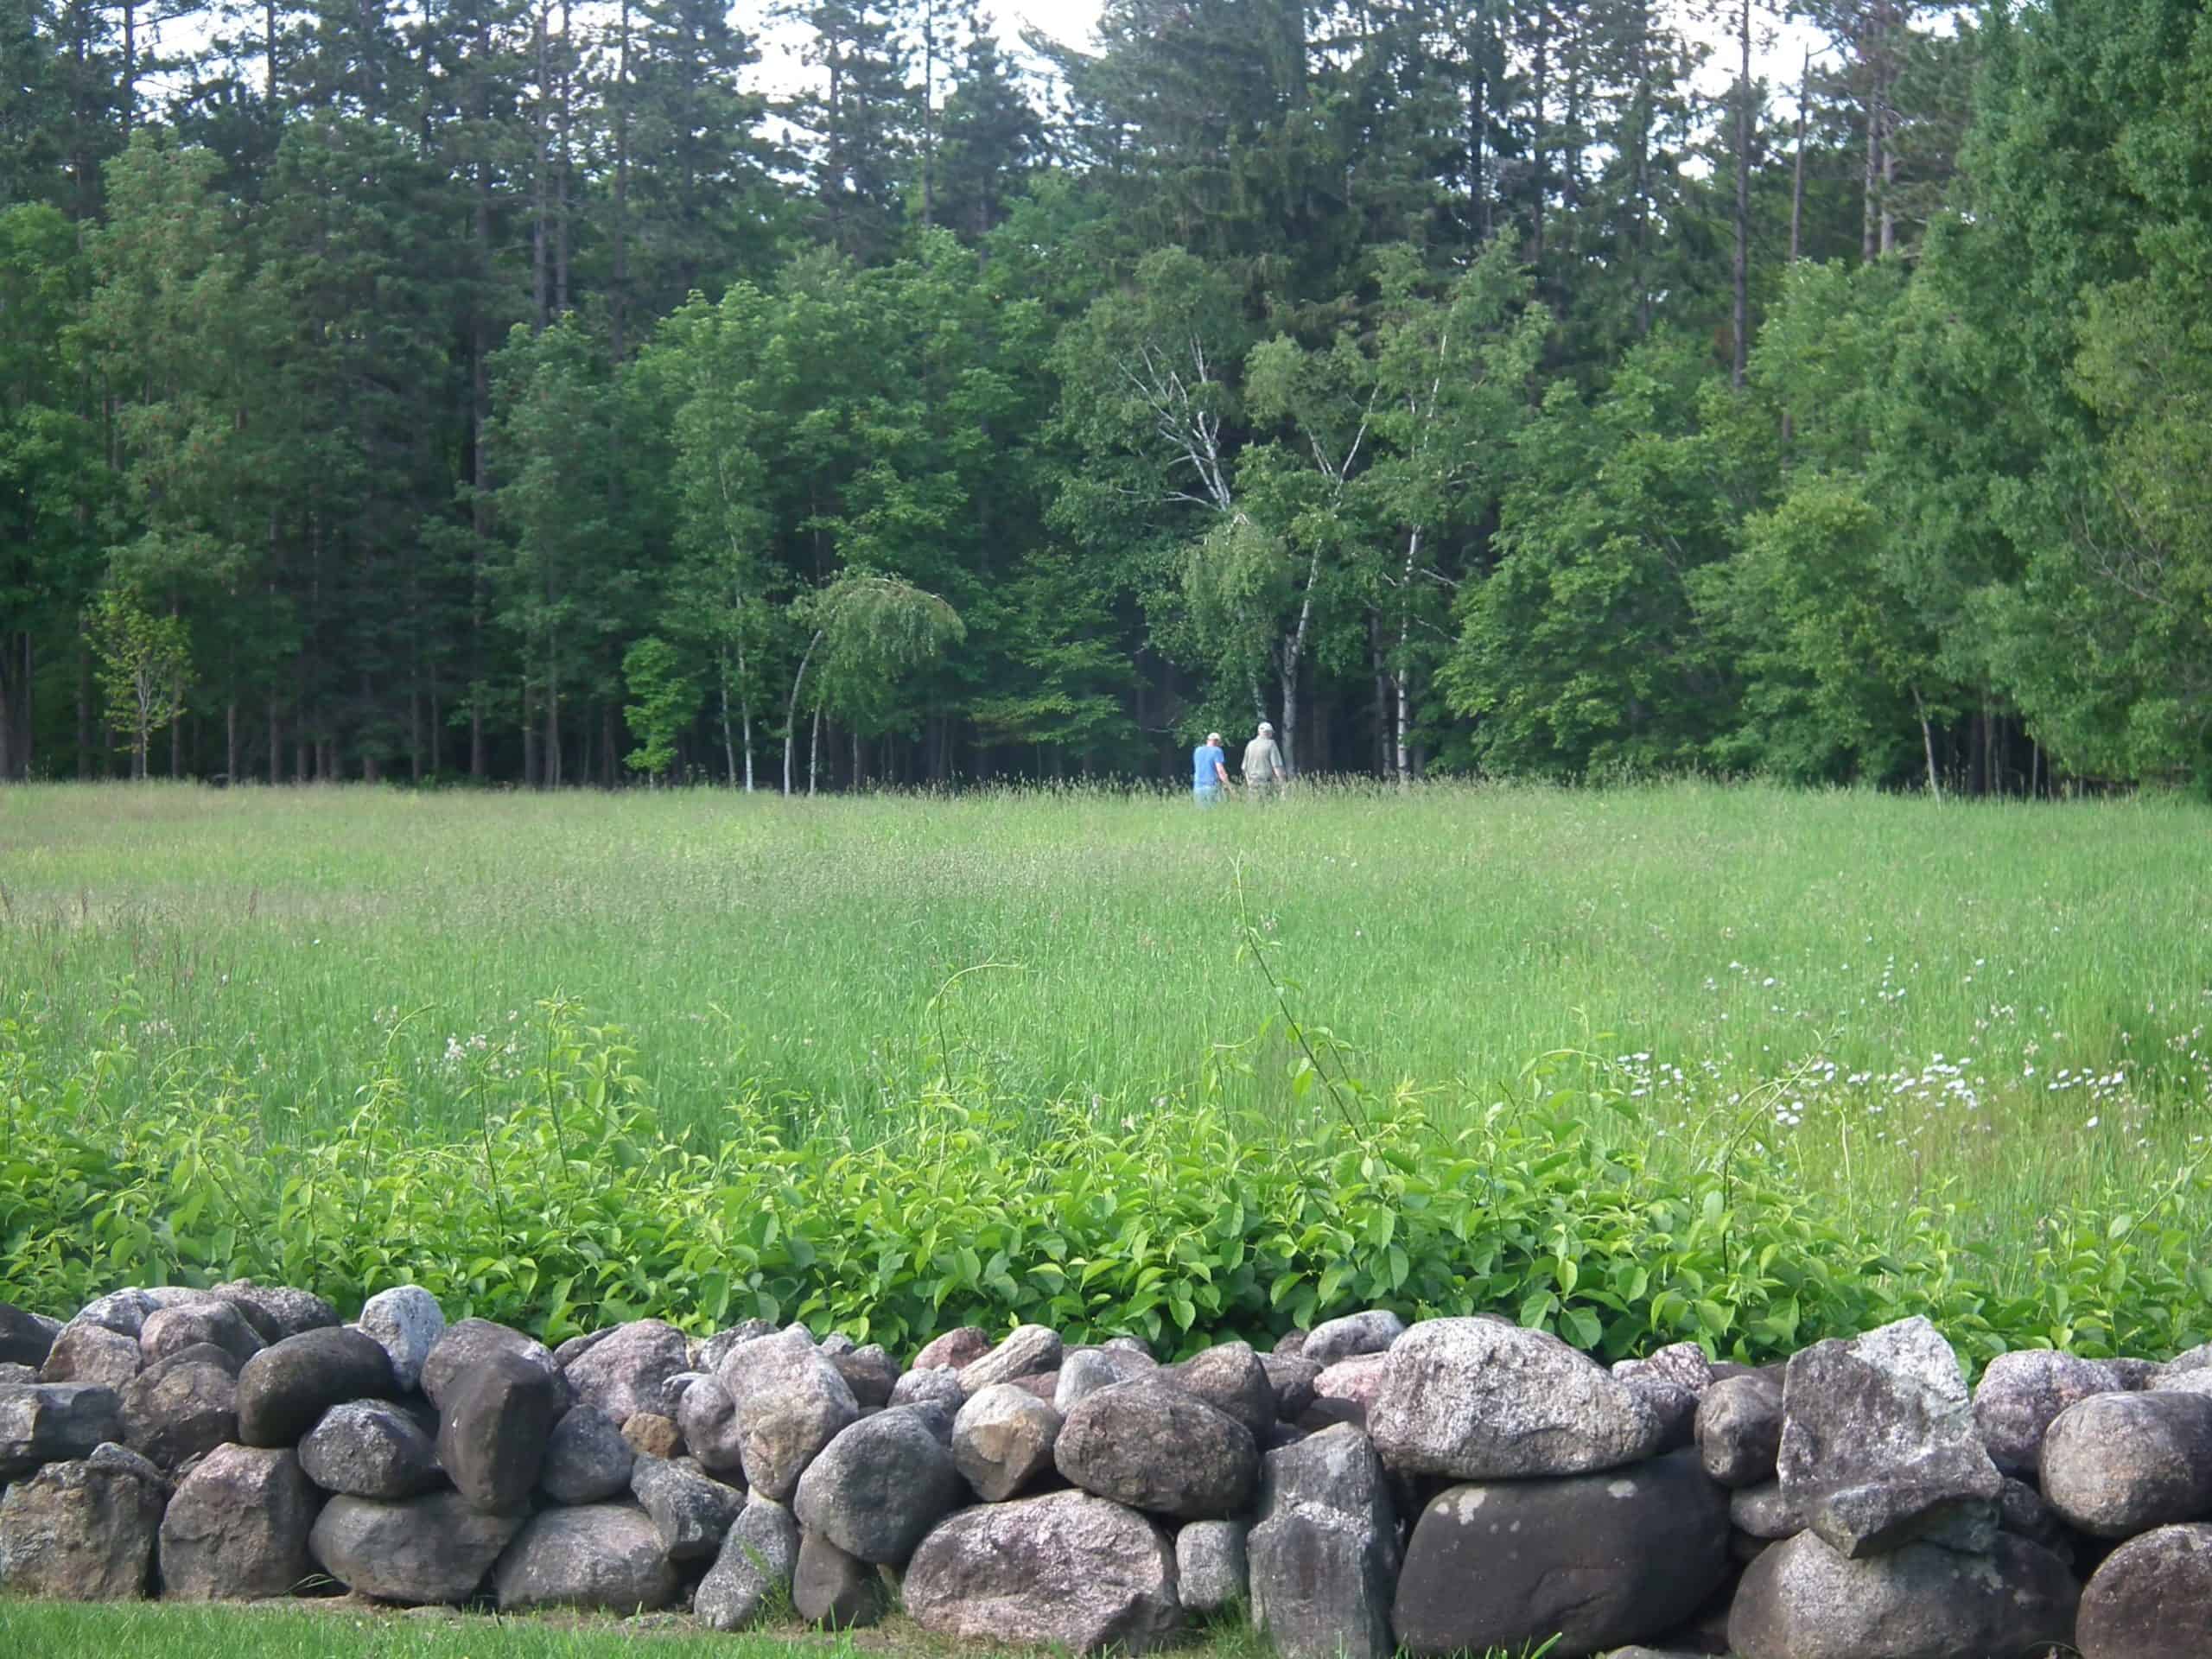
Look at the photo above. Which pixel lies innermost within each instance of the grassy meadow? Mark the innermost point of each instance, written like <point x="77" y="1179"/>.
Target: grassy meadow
<point x="1999" y="1007"/>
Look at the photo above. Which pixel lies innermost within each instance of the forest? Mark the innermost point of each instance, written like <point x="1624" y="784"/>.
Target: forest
<point x="545" y="392"/>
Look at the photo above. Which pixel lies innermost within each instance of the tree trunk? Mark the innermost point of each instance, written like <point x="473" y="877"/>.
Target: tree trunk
<point x="231" y="742"/>
<point x="275" y="745"/>
<point x="791" y="713"/>
<point x="84" y="710"/>
<point x="814" y="752"/>
<point x="618" y="293"/>
<point x="745" y="717"/>
<point x="1797" y="178"/>
<point x="1741" y="270"/>
<point x="1927" y="744"/>
<point x="541" y="210"/>
<point x="561" y="173"/>
<point x="729" y="747"/>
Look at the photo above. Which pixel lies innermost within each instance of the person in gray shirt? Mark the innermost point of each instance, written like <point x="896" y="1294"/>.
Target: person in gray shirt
<point x="1264" y="772"/>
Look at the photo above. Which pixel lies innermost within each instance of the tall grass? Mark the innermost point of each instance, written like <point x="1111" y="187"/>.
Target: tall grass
<point x="2006" y="1002"/>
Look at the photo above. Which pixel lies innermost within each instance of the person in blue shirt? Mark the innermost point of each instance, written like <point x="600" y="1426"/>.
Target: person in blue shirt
<point x="1209" y="769"/>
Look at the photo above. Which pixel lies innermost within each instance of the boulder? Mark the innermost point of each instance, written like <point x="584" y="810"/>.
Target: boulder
<point x="2198" y="1358"/>
<point x="758" y="1557"/>
<point x="1595" y="1560"/>
<point x="2134" y="1374"/>
<point x="55" y="1422"/>
<point x="1671" y="1383"/>
<point x="690" y="1509"/>
<point x="2116" y="1465"/>
<point x="1230" y="1377"/>
<point x="1879" y="1446"/>
<point x="629" y="1372"/>
<point x="870" y="1373"/>
<point x="1324" y="1553"/>
<point x="420" y="1551"/>
<point x="2183" y="1383"/>
<point x="707" y="1419"/>
<point x="277" y="1312"/>
<point x="794" y="1403"/>
<point x="284" y="1389"/>
<point x="13" y="1376"/>
<point x="471" y="1340"/>
<point x="1371" y="1332"/>
<point x="1478" y="1399"/>
<point x="172" y="1330"/>
<point x="880" y="1486"/>
<point x="651" y="1435"/>
<point x="123" y="1311"/>
<point x="371" y="1449"/>
<point x="2146" y="1594"/>
<point x="1084" y="1372"/>
<point x="1067" y="1571"/>
<point x="1002" y="1441"/>
<point x="85" y="1352"/>
<point x="1802" y="1599"/>
<point x="1132" y="1348"/>
<point x="2021" y="1511"/>
<point x="938" y="1387"/>
<point x="587" y="1460"/>
<point x="605" y="1556"/>
<point x="833" y="1587"/>
<point x="2022" y="1393"/>
<point x="26" y="1339"/>
<point x="405" y="1322"/>
<point x="1291" y="1342"/>
<point x="1738" y="1429"/>
<point x="182" y="1405"/>
<point x="1028" y="1350"/>
<point x="954" y="1349"/>
<point x="1292" y="1376"/>
<point x="80" y="1531"/>
<point x="237" y="1530"/>
<point x="498" y="1415"/>
<point x="1212" y="1570"/>
<point x="1153" y="1445"/>
<point x="718" y="1348"/>
<point x="1351" y="1384"/>
<point x="1765" y="1511"/>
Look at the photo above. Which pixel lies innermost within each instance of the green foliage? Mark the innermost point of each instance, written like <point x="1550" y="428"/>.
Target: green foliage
<point x="569" y="1207"/>
<point x="145" y="662"/>
<point x="668" y="700"/>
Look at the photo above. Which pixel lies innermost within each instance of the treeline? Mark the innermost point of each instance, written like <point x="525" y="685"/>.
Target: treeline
<point x="514" y="389"/>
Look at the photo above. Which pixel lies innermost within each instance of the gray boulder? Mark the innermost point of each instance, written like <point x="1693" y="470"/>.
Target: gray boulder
<point x="1084" y="1372"/>
<point x="1595" y="1560"/>
<point x="758" y="1557"/>
<point x="2021" y="1511"/>
<point x="1230" y="1377"/>
<point x="1804" y="1600"/>
<point x="2149" y="1597"/>
<point x="833" y="1587"/>
<point x="2198" y="1358"/>
<point x="1671" y="1383"/>
<point x="1371" y="1332"/>
<point x="405" y="1322"/>
<point x="26" y="1339"/>
<point x="1324" y="1553"/>
<point x="371" y="1449"/>
<point x="421" y="1551"/>
<point x="1738" y="1429"/>
<point x="1002" y="1441"/>
<point x="85" y="1353"/>
<point x="954" y="1349"/>
<point x="1347" y="1391"/>
<point x="1213" y="1571"/>
<point x="13" y="1376"/>
<point x="123" y="1311"/>
<point x="690" y="1509"/>
<point x="472" y="1340"/>
<point x="172" y="1330"/>
<point x="80" y="1531"/>
<point x="938" y="1388"/>
<point x="237" y="1530"/>
<point x="498" y="1415"/>
<point x="794" y="1403"/>
<point x="707" y="1417"/>
<point x="2116" y="1465"/>
<point x="587" y="1460"/>
<point x="284" y="1389"/>
<point x="1765" y="1511"/>
<point x="55" y="1422"/>
<point x="1153" y="1445"/>
<point x="1030" y="1349"/>
<point x="1292" y="1376"/>
<point x="1478" y="1399"/>
<point x="879" y="1487"/>
<point x="718" y="1348"/>
<point x="182" y="1405"/>
<point x="603" y="1556"/>
<point x="277" y="1312"/>
<point x="629" y="1371"/>
<point x="2022" y="1393"/>
<point x="1067" y="1570"/>
<point x="869" y="1372"/>
<point x="1879" y="1446"/>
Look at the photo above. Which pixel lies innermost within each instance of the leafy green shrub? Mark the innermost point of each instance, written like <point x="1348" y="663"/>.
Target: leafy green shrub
<point x="569" y="1207"/>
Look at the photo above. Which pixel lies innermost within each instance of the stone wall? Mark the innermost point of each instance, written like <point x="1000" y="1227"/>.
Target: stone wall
<point x="1369" y="1487"/>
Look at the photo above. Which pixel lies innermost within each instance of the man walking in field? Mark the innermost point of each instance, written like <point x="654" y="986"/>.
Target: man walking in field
<point x="1209" y="769"/>
<point x="1264" y="772"/>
